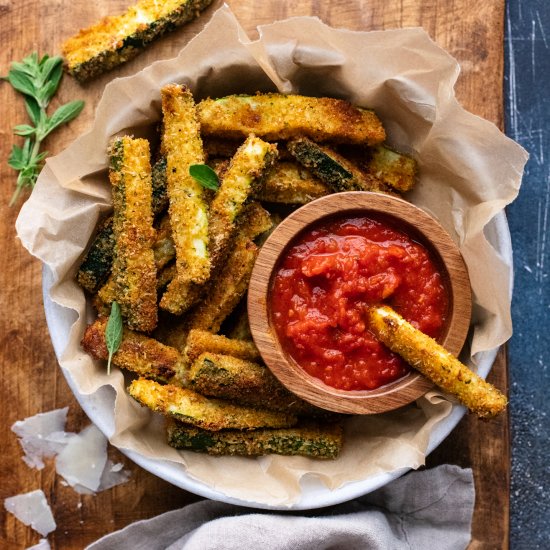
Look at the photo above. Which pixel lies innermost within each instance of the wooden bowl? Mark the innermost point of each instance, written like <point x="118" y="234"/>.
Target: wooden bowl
<point x="418" y="225"/>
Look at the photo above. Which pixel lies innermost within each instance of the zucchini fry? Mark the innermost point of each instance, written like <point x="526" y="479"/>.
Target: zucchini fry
<point x="201" y="341"/>
<point x="211" y="414"/>
<point x="134" y="271"/>
<point x="395" y="169"/>
<point x="254" y="221"/>
<point x="290" y="183"/>
<point x="240" y="180"/>
<point x="98" y="262"/>
<point x="226" y="288"/>
<point x="306" y="439"/>
<point x="137" y="353"/>
<point x="244" y="382"/>
<point x="116" y="39"/>
<point x="435" y="362"/>
<point x="331" y="168"/>
<point x="278" y="116"/>
<point x="182" y="144"/>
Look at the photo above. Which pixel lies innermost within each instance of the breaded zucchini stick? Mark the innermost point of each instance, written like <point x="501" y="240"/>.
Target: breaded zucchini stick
<point x="210" y="414"/>
<point x="243" y="382"/>
<point x="226" y="288"/>
<point x="254" y="221"/>
<point x="331" y="168"/>
<point x="164" y="253"/>
<point x="201" y="341"/>
<point x="98" y="261"/>
<point x="116" y="39"/>
<point x="435" y="362"/>
<point x="278" y="116"/>
<point x="239" y="181"/>
<point x="393" y="168"/>
<point x="307" y="439"/>
<point x="182" y="144"/>
<point x="137" y="353"/>
<point x="134" y="270"/>
<point x="290" y="183"/>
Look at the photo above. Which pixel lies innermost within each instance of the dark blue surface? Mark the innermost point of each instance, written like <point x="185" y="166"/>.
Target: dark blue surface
<point x="527" y="91"/>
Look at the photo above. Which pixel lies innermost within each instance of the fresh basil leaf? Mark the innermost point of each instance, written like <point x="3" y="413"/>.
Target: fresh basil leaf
<point x="64" y="114"/>
<point x="113" y="333"/>
<point x="205" y="176"/>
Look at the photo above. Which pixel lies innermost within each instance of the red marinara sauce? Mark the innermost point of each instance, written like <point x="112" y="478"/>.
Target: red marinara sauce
<point x="325" y="280"/>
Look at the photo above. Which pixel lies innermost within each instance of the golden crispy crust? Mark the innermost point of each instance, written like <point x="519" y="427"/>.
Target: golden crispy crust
<point x="244" y="382"/>
<point x="134" y="271"/>
<point x="239" y="180"/>
<point x="278" y="116"/>
<point x="211" y="414"/>
<point x="435" y="362"/>
<point x="226" y="288"/>
<point x="137" y="353"/>
<point x="182" y="145"/>
<point x="118" y="38"/>
<point x="310" y="439"/>
<point x="200" y="341"/>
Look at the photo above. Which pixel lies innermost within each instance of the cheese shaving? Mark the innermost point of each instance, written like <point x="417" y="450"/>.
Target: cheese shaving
<point x="32" y="509"/>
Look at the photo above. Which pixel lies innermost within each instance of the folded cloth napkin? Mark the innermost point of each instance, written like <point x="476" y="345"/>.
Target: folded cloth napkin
<point x="427" y="509"/>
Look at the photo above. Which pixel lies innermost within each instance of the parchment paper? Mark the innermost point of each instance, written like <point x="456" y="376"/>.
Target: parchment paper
<point x="468" y="172"/>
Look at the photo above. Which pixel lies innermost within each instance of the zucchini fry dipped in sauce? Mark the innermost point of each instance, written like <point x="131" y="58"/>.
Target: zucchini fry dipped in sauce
<point x="435" y="362"/>
<point x="239" y="181"/>
<point x="278" y="116"/>
<point x="331" y="168"/>
<point x="316" y="440"/>
<point x="211" y="414"/>
<point x="134" y="270"/>
<point x="137" y="353"/>
<point x="116" y="39"/>
<point x="182" y="145"/>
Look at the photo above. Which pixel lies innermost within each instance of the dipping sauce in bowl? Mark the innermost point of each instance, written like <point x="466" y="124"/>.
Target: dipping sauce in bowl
<point x="326" y="279"/>
<point x="317" y="272"/>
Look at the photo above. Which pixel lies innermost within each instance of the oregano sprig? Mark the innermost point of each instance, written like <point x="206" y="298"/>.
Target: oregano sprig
<point x="113" y="333"/>
<point x="38" y="80"/>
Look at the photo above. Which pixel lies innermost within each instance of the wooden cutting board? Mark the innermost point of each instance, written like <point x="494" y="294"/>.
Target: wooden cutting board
<point x="470" y="30"/>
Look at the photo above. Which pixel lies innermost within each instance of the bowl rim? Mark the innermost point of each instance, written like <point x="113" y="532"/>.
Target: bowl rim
<point x="410" y="219"/>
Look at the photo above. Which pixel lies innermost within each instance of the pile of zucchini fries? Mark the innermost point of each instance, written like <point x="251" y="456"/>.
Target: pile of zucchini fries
<point x="177" y="258"/>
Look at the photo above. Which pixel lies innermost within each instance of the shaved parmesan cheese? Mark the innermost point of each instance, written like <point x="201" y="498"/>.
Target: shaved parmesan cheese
<point x="83" y="460"/>
<point x="43" y="544"/>
<point x="113" y="474"/>
<point x="42" y="436"/>
<point x="32" y="509"/>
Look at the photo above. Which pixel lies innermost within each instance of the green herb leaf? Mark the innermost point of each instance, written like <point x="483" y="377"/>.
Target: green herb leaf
<point x="33" y="109"/>
<point x="21" y="82"/>
<point x="64" y="114"/>
<point x="205" y="176"/>
<point x="113" y="333"/>
<point x="24" y="130"/>
<point x="38" y="80"/>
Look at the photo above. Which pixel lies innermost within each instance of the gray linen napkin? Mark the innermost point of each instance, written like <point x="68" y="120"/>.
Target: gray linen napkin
<point x="431" y="509"/>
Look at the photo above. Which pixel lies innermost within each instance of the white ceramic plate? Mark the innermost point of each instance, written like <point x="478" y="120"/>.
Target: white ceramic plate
<point x="100" y="406"/>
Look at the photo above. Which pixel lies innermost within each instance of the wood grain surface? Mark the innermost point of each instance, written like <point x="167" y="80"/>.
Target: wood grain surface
<point x="31" y="382"/>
